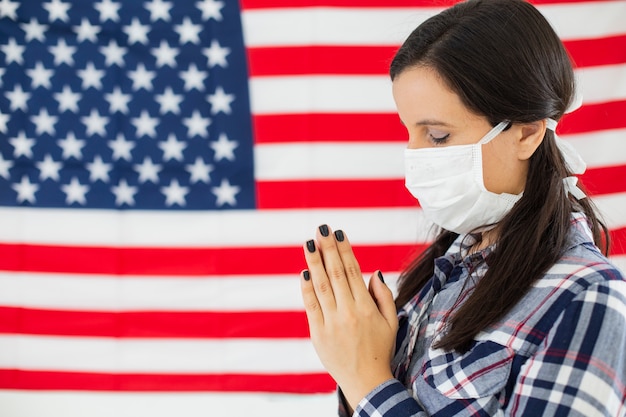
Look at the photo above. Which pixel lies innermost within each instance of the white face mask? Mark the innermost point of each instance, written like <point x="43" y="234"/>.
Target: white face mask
<point x="448" y="182"/>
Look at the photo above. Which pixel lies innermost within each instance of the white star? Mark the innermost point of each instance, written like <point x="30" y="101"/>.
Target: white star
<point x="63" y="53"/>
<point x="94" y="123"/>
<point x="8" y="9"/>
<point x="220" y="101"/>
<point x="108" y="10"/>
<point x="22" y="146"/>
<point x="197" y="125"/>
<point x="145" y="124"/>
<point x="118" y="101"/>
<point x="71" y="146"/>
<point x="40" y="76"/>
<point x="210" y="9"/>
<point x="57" y="10"/>
<point x="86" y="31"/>
<point x="175" y="194"/>
<point x="98" y="170"/>
<point x="25" y="190"/>
<point x="188" y="32"/>
<point x="75" y="192"/>
<point x="200" y="171"/>
<point x="4" y="120"/>
<point x="18" y="98"/>
<point x="113" y="53"/>
<point x="224" y="148"/>
<point x="5" y="165"/>
<point x="158" y="10"/>
<point x="44" y="122"/>
<point x="169" y="101"/>
<point x="225" y="193"/>
<point x="193" y="78"/>
<point x="68" y="100"/>
<point x="136" y="32"/>
<point x="91" y="76"/>
<point x="148" y="171"/>
<point x="172" y="148"/>
<point x="165" y="55"/>
<point x="33" y="30"/>
<point x="216" y="55"/>
<point x="48" y="168"/>
<point x="142" y="78"/>
<point x="124" y="193"/>
<point x="121" y="148"/>
<point x="13" y="52"/>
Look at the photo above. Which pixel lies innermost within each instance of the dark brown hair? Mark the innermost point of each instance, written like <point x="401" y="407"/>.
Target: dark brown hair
<point x="505" y="62"/>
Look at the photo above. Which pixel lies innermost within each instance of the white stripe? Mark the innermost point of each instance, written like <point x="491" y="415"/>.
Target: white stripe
<point x="320" y="93"/>
<point x="73" y="292"/>
<point x="380" y="26"/>
<point x="110" y="293"/>
<point x="372" y="94"/>
<point x="611" y="206"/>
<point x="384" y="160"/>
<point x="163" y="404"/>
<point x="153" y="356"/>
<point x="297" y="161"/>
<point x="603" y="83"/>
<point x="264" y="228"/>
<point x="602" y="148"/>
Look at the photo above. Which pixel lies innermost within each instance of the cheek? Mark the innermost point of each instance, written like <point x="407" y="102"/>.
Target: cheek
<point x="502" y="171"/>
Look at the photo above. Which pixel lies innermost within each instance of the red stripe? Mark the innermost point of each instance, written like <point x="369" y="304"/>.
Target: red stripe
<point x="262" y="4"/>
<point x="329" y="127"/>
<point x="364" y="60"/>
<point x="595" y="52"/>
<point x="184" y="261"/>
<point x="618" y="241"/>
<point x="386" y="127"/>
<point x="592" y="117"/>
<point x="170" y="324"/>
<point x="606" y="180"/>
<point x="79" y="381"/>
<point x="333" y="194"/>
<point x="375" y="60"/>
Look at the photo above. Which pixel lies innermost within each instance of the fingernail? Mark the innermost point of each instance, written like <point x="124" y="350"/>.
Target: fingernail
<point x="339" y="235"/>
<point x="324" y="230"/>
<point x="306" y="275"/>
<point x="380" y="276"/>
<point x="310" y="245"/>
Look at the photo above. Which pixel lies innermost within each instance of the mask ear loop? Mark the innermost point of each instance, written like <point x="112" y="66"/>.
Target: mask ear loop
<point x="574" y="162"/>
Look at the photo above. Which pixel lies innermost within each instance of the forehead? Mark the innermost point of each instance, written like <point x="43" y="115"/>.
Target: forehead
<point x="421" y="93"/>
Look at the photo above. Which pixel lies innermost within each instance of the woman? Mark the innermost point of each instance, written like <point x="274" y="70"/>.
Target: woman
<point x="513" y="310"/>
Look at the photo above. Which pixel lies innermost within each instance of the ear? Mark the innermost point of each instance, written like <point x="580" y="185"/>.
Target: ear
<point x="530" y="137"/>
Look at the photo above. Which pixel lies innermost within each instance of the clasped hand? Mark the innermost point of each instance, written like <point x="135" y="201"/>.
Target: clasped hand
<point x="353" y="327"/>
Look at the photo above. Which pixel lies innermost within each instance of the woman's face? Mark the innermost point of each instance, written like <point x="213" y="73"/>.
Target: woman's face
<point x="434" y="116"/>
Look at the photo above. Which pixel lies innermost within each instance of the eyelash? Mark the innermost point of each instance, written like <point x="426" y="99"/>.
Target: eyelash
<point x="439" y="140"/>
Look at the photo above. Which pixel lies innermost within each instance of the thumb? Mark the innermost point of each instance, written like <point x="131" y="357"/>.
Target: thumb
<point x="383" y="297"/>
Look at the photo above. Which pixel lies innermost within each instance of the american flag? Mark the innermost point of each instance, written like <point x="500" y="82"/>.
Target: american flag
<point x="162" y="162"/>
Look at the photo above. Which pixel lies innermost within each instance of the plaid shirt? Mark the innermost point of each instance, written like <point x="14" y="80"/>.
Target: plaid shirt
<point x="561" y="351"/>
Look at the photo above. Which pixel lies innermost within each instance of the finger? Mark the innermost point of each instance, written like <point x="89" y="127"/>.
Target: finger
<point x="335" y="269"/>
<point x="383" y="297"/>
<point x="312" y="307"/>
<point x="319" y="279"/>
<point x="351" y="266"/>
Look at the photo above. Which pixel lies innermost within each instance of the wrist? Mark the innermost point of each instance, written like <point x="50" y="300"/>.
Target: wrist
<point x="355" y="392"/>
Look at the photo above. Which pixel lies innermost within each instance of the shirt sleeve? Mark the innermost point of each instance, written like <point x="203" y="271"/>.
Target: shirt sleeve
<point x="389" y="399"/>
<point x="580" y="370"/>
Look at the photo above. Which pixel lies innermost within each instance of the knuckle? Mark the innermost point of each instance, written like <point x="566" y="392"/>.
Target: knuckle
<point x="324" y="287"/>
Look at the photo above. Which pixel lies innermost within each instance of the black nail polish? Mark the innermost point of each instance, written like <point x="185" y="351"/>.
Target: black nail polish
<point x="380" y="276"/>
<point x="306" y="275"/>
<point x="310" y="245"/>
<point x="324" y="230"/>
<point x="339" y="235"/>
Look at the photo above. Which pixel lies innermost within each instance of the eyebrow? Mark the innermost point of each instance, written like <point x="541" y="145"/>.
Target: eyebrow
<point x="432" y="122"/>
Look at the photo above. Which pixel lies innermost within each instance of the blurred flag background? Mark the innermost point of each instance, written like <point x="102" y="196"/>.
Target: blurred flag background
<point x="162" y="163"/>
